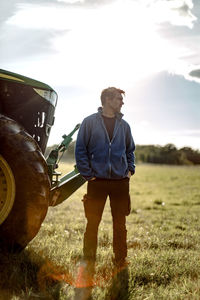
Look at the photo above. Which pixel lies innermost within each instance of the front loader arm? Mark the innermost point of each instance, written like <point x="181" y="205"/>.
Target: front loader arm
<point x="62" y="188"/>
<point x="65" y="188"/>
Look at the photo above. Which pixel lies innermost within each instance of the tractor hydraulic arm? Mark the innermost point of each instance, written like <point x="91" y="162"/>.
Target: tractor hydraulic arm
<point x="62" y="188"/>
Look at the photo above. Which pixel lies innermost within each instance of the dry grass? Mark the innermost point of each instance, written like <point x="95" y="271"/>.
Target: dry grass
<point x="163" y="244"/>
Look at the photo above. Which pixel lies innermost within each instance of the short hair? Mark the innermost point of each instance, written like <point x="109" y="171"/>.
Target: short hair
<point x="110" y="92"/>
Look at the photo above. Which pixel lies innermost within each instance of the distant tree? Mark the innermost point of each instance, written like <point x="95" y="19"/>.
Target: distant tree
<point x="191" y="155"/>
<point x="167" y="154"/>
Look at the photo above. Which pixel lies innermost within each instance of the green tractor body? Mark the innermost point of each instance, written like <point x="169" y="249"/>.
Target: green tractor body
<point x="28" y="182"/>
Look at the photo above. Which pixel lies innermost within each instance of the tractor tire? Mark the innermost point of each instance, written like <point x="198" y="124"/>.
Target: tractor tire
<point x="24" y="186"/>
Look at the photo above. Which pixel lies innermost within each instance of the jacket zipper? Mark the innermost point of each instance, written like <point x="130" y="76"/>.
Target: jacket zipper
<point x="109" y="153"/>
<point x="110" y="143"/>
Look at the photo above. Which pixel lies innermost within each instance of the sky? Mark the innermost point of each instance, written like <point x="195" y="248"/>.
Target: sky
<point x="149" y="48"/>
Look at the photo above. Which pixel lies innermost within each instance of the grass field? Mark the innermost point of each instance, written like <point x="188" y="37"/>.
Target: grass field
<point x="163" y="244"/>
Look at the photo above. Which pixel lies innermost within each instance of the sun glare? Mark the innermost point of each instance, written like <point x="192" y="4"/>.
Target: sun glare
<point x="116" y="43"/>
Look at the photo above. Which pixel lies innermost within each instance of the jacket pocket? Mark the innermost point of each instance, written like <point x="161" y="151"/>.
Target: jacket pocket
<point x="119" y="166"/>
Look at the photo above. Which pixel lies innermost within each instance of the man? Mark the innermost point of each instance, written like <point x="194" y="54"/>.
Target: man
<point x="105" y="158"/>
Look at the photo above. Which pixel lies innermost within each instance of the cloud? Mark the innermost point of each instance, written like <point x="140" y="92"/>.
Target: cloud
<point x="11" y="7"/>
<point x="86" y="2"/>
<point x="8" y="9"/>
<point x="184" y="10"/>
<point x="195" y="73"/>
<point x="185" y="14"/>
<point x="184" y="34"/>
<point x="27" y="43"/>
<point x="183" y="38"/>
<point x="175" y="12"/>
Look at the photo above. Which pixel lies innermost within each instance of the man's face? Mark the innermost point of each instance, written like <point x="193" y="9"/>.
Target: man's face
<point x="116" y="103"/>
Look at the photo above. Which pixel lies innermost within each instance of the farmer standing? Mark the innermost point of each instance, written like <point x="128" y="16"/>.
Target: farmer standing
<point x="105" y="158"/>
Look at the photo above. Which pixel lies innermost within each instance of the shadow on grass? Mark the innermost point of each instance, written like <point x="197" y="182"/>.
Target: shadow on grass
<point x="148" y="279"/>
<point x="22" y="275"/>
<point x="83" y="293"/>
<point x="119" y="286"/>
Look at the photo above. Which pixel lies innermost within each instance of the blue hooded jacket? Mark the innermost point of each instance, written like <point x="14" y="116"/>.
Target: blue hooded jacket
<point x="97" y="156"/>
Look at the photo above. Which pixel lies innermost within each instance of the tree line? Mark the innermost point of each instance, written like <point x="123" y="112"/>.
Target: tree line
<point x="167" y="154"/>
<point x="156" y="154"/>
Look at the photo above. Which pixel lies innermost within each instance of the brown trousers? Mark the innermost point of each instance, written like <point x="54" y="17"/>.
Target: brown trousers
<point x="94" y="201"/>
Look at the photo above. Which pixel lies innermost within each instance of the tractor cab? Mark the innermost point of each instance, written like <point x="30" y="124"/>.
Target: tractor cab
<point x="29" y="102"/>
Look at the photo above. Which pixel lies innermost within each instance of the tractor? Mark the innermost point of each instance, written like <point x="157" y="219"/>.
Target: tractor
<point x="29" y="183"/>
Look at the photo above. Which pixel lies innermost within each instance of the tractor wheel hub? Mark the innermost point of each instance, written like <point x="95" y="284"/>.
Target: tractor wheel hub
<point x="7" y="189"/>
